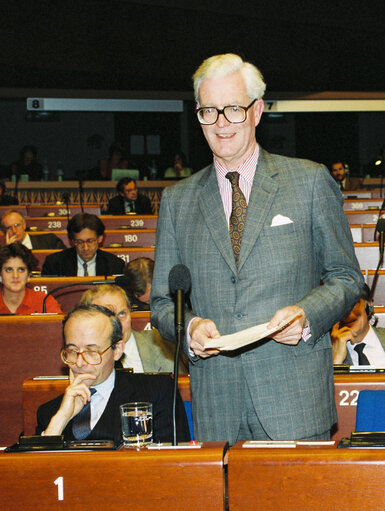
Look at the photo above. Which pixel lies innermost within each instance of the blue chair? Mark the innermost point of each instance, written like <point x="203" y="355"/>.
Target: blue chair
<point x="187" y="407"/>
<point x="371" y="410"/>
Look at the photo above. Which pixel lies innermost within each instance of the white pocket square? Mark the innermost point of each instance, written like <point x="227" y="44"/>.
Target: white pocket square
<point x="280" y="220"/>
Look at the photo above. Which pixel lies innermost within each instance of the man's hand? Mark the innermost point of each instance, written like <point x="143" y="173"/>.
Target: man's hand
<point x="77" y="394"/>
<point x="293" y="332"/>
<point x="10" y="237"/>
<point x="201" y="331"/>
<point x="339" y="338"/>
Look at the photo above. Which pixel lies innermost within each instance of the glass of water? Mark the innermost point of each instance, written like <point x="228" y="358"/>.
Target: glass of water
<point x="136" y="424"/>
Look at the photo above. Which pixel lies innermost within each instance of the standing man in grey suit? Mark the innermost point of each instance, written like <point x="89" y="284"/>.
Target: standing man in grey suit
<point x="257" y="250"/>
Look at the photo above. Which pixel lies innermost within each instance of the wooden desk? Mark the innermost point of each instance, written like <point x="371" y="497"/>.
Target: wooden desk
<point x="367" y="254"/>
<point x="21" y="209"/>
<point x="346" y="390"/>
<point x="305" y="478"/>
<point x="166" y="480"/>
<point x="125" y="253"/>
<point x="362" y="217"/>
<point x="61" y="210"/>
<point x="362" y="204"/>
<point x="70" y="296"/>
<point x="110" y="222"/>
<point x="39" y="391"/>
<point x="30" y="346"/>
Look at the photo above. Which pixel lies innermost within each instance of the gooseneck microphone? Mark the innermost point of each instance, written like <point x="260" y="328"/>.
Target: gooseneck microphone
<point x="380" y="228"/>
<point x="120" y="280"/>
<point x="179" y="281"/>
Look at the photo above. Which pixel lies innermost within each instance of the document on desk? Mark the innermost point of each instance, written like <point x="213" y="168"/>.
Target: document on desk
<point x="249" y="335"/>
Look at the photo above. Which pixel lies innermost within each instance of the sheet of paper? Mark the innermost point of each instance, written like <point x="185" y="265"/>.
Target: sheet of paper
<point x="248" y="336"/>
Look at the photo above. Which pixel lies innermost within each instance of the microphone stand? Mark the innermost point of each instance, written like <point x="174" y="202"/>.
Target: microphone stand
<point x="66" y="199"/>
<point x="81" y="191"/>
<point x="380" y="227"/>
<point x="179" y="330"/>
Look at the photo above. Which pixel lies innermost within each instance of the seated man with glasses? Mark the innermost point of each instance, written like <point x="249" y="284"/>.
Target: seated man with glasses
<point x="85" y="232"/>
<point x="89" y="408"/>
<point x="14" y="227"/>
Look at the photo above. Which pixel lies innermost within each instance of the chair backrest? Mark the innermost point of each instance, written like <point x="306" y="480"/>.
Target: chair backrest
<point x="371" y="411"/>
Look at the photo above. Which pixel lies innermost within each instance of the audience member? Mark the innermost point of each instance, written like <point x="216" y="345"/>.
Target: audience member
<point x="140" y="272"/>
<point x="13" y="224"/>
<point x="145" y="350"/>
<point x="178" y="170"/>
<point x="338" y="172"/>
<point x="6" y="200"/>
<point x="84" y="258"/>
<point x="258" y="231"/>
<point x="115" y="160"/>
<point x="354" y="340"/>
<point x="16" y="263"/>
<point x="128" y="200"/>
<point x="27" y="164"/>
<point x="92" y="342"/>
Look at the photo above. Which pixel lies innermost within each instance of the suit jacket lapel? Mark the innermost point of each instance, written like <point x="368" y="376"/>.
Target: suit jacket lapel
<point x="70" y="263"/>
<point x="147" y="355"/>
<point x="261" y="198"/>
<point x="211" y="207"/>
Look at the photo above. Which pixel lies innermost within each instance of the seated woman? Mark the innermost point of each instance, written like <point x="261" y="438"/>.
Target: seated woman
<point x="16" y="263"/>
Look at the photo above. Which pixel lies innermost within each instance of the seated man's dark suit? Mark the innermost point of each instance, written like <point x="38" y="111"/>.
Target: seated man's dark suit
<point x="154" y="388"/>
<point x="46" y="242"/>
<point x="142" y="205"/>
<point x="65" y="263"/>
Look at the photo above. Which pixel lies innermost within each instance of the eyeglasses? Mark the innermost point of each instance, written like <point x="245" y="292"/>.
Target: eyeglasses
<point x="90" y="357"/>
<point x="81" y="243"/>
<point x="232" y="113"/>
<point x="10" y="227"/>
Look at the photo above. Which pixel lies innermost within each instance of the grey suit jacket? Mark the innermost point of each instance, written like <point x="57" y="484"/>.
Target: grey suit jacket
<point x="291" y="386"/>
<point x="157" y="354"/>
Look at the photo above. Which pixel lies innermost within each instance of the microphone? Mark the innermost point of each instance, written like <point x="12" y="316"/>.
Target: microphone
<point x="66" y="200"/>
<point x="179" y="281"/>
<point x="120" y="280"/>
<point x="380" y="228"/>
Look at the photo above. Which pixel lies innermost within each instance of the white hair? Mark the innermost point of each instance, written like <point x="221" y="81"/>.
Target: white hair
<point x="223" y="65"/>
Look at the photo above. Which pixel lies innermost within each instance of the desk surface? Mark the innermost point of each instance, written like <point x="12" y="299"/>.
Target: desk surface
<point x="305" y="478"/>
<point x="187" y="479"/>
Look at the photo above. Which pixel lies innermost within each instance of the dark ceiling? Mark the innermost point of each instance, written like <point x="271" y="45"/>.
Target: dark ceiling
<point x="156" y="45"/>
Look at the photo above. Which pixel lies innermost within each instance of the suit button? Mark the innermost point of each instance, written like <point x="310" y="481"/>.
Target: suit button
<point x="233" y="279"/>
<point x="239" y="315"/>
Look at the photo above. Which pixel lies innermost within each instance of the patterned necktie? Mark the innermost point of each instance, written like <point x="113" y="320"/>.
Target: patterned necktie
<point x="362" y="358"/>
<point x="238" y="214"/>
<point x="81" y="426"/>
<point x="85" y="269"/>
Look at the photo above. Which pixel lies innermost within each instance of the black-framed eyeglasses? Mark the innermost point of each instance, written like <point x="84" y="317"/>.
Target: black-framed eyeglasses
<point x="81" y="243"/>
<point x="91" y="357"/>
<point x="232" y="113"/>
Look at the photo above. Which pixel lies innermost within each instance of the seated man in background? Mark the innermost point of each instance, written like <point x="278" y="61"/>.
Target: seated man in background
<point x="338" y="172"/>
<point x="128" y="200"/>
<point x="13" y="225"/>
<point x="5" y="199"/>
<point x="92" y="342"/>
<point x="140" y="272"/>
<point x="354" y="341"/>
<point x="144" y="351"/>
<point x="85" y="232"/>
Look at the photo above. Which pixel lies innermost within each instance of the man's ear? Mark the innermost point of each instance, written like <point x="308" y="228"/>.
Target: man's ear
<point x="118" y="351"/>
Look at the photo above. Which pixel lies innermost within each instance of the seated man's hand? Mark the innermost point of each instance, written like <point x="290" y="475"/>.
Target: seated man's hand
<point x="292" y="333"/>
<point x="76" y="395"/>
<point x="201" y="331"/>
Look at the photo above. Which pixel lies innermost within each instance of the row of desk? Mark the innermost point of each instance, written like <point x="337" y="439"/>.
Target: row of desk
<point x="124" y="237"/>
<point x="213" y="477"/>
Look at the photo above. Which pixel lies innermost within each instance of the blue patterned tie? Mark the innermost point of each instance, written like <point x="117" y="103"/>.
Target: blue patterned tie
<point x="238" y="214"/>
<point x="81" y="427"/>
